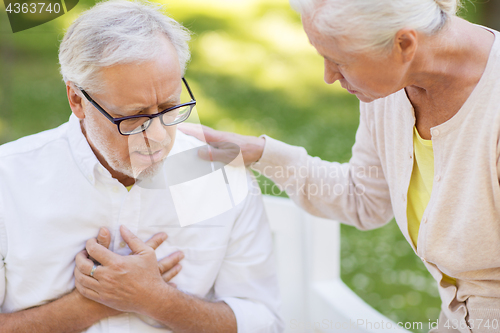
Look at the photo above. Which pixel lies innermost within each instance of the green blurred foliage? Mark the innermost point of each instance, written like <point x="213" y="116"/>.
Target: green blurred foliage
<point x="253" y="72"/>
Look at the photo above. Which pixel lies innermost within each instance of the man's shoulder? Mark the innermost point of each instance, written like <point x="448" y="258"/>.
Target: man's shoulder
<point x="32" y="143"/>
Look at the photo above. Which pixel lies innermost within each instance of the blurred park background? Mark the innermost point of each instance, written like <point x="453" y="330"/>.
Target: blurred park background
<point x="252" y="72"/>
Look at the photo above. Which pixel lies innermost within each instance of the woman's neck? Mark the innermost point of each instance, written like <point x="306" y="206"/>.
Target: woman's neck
<point x="445" y="71"/>
<point x="454" y="59"/>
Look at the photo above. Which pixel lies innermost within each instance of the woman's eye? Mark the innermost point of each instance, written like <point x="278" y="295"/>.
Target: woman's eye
<point x="336" y="64"/>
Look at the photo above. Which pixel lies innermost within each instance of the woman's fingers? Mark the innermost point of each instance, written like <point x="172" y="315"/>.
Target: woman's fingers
<point x="198" y="131"/>
<point x="220" y="151"/>
<point x="205" y="133"/>
<point x="225" y="144"/>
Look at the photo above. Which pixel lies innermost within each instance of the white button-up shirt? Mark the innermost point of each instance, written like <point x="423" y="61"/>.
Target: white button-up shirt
<point x="55" y="195"/>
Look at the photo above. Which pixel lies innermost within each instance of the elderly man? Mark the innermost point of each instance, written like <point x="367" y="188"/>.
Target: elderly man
<point x="107" y="171"/>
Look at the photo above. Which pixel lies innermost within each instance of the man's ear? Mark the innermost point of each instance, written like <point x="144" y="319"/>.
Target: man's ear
<point x="75" y="100"/>
<point x="406" y="43"/>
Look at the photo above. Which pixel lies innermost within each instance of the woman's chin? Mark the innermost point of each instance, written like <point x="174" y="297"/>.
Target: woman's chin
<point x="363" y="98"/>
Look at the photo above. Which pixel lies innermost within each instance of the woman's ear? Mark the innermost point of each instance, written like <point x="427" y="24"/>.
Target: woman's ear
<point x="406" y="43"/>
<point x="75" y="100"/>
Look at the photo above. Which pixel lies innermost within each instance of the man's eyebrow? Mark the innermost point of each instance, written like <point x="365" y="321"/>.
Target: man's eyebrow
<point x="137" y="109"/>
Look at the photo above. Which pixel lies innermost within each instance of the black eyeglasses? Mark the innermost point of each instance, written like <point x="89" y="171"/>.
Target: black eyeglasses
<point x="139" y="123"/>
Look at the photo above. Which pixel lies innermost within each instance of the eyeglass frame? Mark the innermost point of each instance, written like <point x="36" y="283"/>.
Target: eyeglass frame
<point x="117" y="121"/>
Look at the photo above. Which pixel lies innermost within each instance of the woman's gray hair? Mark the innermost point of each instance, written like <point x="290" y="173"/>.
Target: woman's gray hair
<point x="373" y="24"/>
<point x="117" y="32"/>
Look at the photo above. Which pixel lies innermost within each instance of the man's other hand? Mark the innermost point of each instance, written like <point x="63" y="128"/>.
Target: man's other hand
<point x="169" y="266"/>
<point x="125" y="283"/>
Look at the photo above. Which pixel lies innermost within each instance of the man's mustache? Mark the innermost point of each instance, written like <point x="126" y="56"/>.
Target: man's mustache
<point x="151" y="146"/>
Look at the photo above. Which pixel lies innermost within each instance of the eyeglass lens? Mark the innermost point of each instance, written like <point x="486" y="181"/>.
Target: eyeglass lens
<point x="140" y="124"/>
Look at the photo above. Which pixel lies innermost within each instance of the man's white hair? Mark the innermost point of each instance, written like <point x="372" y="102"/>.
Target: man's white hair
<point x="117" y="32"/>
<point x="373" y="24"/>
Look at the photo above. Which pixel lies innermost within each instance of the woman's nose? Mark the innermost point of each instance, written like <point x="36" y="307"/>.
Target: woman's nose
<point x="332" y="73"/>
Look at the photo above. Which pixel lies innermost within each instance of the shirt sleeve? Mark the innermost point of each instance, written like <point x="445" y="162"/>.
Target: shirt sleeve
<point x="247" y="279"/>
<point x="354" y="193"/>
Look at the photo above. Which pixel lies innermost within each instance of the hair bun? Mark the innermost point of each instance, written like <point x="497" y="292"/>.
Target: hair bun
<point x="450" y="7"/>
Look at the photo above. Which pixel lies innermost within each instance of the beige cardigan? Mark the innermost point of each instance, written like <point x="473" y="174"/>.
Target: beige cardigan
<point x="460" y="230"/>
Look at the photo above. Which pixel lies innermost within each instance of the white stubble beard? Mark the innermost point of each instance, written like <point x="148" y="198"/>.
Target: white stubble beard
<point x="112" y="158"/>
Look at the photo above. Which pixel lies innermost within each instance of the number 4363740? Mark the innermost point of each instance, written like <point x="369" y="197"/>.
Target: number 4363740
<point x="33" y="8"/>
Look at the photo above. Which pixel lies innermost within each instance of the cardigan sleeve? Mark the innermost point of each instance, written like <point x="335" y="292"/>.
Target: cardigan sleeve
<point x="354" y="193"/>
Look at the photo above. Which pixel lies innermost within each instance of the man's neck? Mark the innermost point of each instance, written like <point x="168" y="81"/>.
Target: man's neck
<point x="123" y="179"/>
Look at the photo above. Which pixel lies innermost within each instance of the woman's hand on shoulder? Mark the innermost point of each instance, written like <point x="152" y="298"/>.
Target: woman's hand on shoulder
<point x="225" y="146"/>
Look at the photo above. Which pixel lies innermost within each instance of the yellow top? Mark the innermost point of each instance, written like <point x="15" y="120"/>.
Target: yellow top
<point x="419" y="191"/>
<point x="129" y="187"/>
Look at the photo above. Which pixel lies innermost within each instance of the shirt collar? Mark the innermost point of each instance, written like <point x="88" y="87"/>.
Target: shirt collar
<point x="82" y="153"/>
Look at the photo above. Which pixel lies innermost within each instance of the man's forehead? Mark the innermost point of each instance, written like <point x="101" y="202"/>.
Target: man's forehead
<point x="131" y="103"/>
<point x="142" y="85"/>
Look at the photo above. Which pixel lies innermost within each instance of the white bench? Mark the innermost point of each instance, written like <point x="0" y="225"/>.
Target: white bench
<point x="315" y="299"/>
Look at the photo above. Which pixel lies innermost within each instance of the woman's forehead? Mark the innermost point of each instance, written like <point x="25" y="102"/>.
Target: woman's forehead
<point x="331" y="48"/>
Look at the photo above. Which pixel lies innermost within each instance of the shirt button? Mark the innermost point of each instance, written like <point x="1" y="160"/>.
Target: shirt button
<point x="115" y="189"/>
<point x="424" y="220"/>
<point x="435" y="133"/>
<point x="91" y="178"/>
<point x="123" y="244"/>
<point x="423" y="259"/>
<point x="403" y="197"/>
<point x="437" y="178"/>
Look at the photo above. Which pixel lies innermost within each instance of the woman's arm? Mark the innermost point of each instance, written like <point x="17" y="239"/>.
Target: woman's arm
<point x="355" y="193"/>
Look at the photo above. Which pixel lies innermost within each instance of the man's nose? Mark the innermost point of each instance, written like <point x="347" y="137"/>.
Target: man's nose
<point x="332" y="73"/>
<point x="156" y="131"/>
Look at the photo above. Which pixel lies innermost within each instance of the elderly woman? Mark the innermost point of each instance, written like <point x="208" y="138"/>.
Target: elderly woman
<point x="427" y="147"/>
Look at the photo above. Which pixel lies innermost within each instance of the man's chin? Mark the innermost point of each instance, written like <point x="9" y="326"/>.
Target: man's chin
<point x="148" y="172"/>
<point x="144" y="166"/>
